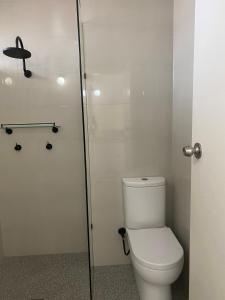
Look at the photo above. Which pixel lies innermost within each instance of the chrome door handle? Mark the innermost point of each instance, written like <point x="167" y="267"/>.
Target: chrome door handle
<point x="190" y="151"/>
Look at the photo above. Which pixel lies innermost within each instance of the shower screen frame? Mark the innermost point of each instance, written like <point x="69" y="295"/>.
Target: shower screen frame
<point x="85" y="144"/>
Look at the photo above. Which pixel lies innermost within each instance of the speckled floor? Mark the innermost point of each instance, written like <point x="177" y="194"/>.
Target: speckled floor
<point x="115" y="283"/>
<point x="48" y="277"/>
<point x="65" y="277"/>
<point x="124" y="285"/>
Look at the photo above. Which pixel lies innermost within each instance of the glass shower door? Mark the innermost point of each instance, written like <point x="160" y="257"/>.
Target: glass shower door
<point x="84" y="97"/>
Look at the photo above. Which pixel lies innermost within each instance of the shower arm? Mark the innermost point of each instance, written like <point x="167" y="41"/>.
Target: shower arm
<point x="19" y="41"/>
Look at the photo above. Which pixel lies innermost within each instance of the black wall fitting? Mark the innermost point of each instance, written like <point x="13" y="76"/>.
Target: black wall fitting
<point x="122" y="232"/>
<point x="55" y="129"/>
<point x="18" y="147"/>
<point x="49" y="146"/>
<point x="8" y="130"/>
<point x="19" y="52"/>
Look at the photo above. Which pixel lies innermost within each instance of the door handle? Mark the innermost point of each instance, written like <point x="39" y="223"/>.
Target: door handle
<point x="189" y="151"/>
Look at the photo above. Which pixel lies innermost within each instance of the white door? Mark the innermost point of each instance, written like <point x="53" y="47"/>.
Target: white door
<point x="207" y="260"/>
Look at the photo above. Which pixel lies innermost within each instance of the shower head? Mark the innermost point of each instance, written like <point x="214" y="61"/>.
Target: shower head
<point x="19" y="53"/>
<point x="15" y="52"/>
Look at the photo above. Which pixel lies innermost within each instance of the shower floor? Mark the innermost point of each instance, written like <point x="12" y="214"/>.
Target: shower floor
<point x="48" y="277"/>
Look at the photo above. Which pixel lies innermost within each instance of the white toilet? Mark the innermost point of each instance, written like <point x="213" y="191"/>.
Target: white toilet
<point x="156" y="254"/>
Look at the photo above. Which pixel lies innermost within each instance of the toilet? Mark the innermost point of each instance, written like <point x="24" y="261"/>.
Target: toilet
<point x="156" y="255"/>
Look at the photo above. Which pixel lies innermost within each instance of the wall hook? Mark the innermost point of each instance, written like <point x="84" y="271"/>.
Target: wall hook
<point x="8" y="130"/>
<point x="49" y="146"/>
<point x="18" y="147"/>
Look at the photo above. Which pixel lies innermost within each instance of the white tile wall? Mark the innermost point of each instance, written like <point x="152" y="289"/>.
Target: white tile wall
<point x="128" y="52"/>
<point x="42" y="204"/>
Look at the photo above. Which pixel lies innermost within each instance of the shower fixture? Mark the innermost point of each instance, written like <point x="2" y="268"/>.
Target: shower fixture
<point x="19" y="52"/>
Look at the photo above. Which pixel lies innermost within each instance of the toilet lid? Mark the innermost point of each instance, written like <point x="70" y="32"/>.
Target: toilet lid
<point x="155" y="248"/>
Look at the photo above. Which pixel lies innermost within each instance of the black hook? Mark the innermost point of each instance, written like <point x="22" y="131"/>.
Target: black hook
<point x="18" y="147"/>
<point x="49" y="146"/>
<point x="8" y="130"/>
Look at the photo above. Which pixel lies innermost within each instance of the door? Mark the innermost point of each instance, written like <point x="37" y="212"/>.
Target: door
<point x="207" y="253"/>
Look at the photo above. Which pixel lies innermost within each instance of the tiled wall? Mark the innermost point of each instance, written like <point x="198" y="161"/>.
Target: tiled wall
<point x="128" y="52"/>
<point x="182" y="119"/>
<point x="42" y="203"/>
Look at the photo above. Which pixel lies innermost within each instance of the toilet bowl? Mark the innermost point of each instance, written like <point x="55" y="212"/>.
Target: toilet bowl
<point x="157" y="259"/>
<point x="156" y="255"/>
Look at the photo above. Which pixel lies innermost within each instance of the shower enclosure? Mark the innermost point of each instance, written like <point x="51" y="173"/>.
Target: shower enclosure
<point x="44" y="242"/>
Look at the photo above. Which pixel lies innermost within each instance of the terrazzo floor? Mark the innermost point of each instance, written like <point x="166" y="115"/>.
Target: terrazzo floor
<point x="47" y="277"/>
<point x="124" y="285"/>
<point x="65" y="277"/>
<point x="115" y="283"/>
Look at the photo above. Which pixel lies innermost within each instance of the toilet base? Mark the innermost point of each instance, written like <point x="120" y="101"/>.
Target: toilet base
<point x="148" y="291"/>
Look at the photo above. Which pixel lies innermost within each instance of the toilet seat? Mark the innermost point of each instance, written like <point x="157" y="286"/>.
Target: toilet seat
<point x="155" y="248"/>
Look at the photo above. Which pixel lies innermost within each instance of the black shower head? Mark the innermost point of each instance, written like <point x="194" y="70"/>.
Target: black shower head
<point x="19" y="53"/>
<point x="16" y="52"/>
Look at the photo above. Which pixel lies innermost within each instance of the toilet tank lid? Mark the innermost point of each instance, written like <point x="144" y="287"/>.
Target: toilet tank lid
<point x="144" y="181"/>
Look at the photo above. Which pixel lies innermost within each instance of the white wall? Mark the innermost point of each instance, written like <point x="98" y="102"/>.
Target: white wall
<point x="128" y="51"/>
<point x="42" y="204"/>
<point x="182" y="119"/>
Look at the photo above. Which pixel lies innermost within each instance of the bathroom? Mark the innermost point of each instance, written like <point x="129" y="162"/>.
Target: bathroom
<point x="108" y="118"/>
